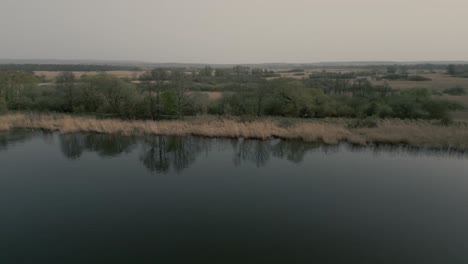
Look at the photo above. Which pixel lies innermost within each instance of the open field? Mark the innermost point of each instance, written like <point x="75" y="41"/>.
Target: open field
<point x="51" y="75"/>
<point x="462" y="99"/>
<point x="330" y="131"/>
<point x="439" y="81"/>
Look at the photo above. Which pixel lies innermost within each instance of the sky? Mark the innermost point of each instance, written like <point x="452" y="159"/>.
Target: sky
<point x="235" y="31"/>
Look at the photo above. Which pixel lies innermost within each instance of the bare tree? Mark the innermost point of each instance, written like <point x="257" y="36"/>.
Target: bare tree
<point x="66" y="81"/>
<point x="183" y="98"/>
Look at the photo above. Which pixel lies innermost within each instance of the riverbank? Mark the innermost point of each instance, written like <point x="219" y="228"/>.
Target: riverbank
<point x="329" y="131"/>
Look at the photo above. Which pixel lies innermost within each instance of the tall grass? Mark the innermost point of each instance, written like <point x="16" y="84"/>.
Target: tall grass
<point x="330" y="131"/>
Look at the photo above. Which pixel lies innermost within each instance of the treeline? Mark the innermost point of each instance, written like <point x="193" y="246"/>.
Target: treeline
<point x="379" y="67"/>
<point x="458" y="70"/>
<point x="65" y="67"/>
<point x="164" y="94"/>
<point x="403" y="77"/>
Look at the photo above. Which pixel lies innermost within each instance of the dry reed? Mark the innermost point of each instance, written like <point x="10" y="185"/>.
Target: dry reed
<point x="417" y="133"/>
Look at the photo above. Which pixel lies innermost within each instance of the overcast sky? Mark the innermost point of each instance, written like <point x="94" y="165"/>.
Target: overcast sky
<point x="235" y="31"/>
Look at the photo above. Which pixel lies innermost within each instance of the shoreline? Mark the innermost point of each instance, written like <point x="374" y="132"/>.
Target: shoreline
<point x="418" y="133"/>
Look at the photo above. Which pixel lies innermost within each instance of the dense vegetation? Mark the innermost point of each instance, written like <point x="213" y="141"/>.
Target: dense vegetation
<point x="163" y="94"/>
<point x="404" y="77"/>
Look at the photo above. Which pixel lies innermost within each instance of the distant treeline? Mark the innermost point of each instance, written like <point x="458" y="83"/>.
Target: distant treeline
<point x="381" y="67"/>
<point x="65" y="67"/>
<point x="458" y="70"/>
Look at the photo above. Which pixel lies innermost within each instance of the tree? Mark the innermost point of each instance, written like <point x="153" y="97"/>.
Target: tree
<point x="154" y="90"/>
<point x="241" y="70"/>
<point x="292" y="96"/>
<point x="13" y="87"/>
<point x="261" y="93"/>
<point x="108" y="94"/>
<point x="392" y="69"/>
<point x="206" y="72"/>
<point x="66" y="81"/>
<point x="183" y="98"/>
<point x="221" y="72"/>
<point x="452" y="69"/>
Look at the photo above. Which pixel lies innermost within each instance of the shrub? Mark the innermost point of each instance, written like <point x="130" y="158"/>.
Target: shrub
<point x="418" y="78"/>
<point x="455" y="91"/>
<point x="395" y="77"/>
<point x="446" y="121"/>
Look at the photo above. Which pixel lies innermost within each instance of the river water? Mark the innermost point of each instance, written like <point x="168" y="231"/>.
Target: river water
<point x="92" y="198"/>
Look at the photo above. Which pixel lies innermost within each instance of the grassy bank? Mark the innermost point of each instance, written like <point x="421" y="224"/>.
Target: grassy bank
<point x="330" y="131"/>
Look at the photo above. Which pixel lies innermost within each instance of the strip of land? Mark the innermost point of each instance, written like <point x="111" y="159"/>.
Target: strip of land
<point x="330" y="131"/>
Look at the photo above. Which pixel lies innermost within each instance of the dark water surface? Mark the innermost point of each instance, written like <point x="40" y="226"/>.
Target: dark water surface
<point x="87" y="198"/>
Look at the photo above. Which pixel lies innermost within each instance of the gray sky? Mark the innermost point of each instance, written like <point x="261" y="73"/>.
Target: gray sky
<point x="234" y="31"/>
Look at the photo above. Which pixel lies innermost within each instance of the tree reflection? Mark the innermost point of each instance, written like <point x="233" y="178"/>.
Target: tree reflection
<point x="9" y="138"/>
<point x="155" y="156"/>
<point x="294" y="150"/>
<point x="161" y="154"/>
<point x="259" y="152"/>
<point x="110" y="145"/>
<point x="73" y="145"/>
<point x="255" y="151"/>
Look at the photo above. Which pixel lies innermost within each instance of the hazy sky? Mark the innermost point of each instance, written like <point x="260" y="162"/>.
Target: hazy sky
<point x="234" y="31"/>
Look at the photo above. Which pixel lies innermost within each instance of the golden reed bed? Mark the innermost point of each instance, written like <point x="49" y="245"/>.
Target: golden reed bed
<point x="417" y="133"/>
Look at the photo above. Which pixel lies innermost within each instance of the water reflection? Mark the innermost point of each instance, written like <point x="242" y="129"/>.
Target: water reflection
<point x="8" y="139"/>
<point x="73" y="145"/>
<point x="161" y="154"/>
<point x="295" y="150"/>
<point x="407" y="150"/>
<point x="260" y="152"/>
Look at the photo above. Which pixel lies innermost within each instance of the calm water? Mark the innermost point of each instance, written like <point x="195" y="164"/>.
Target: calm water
<point x="87" y="198"/>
